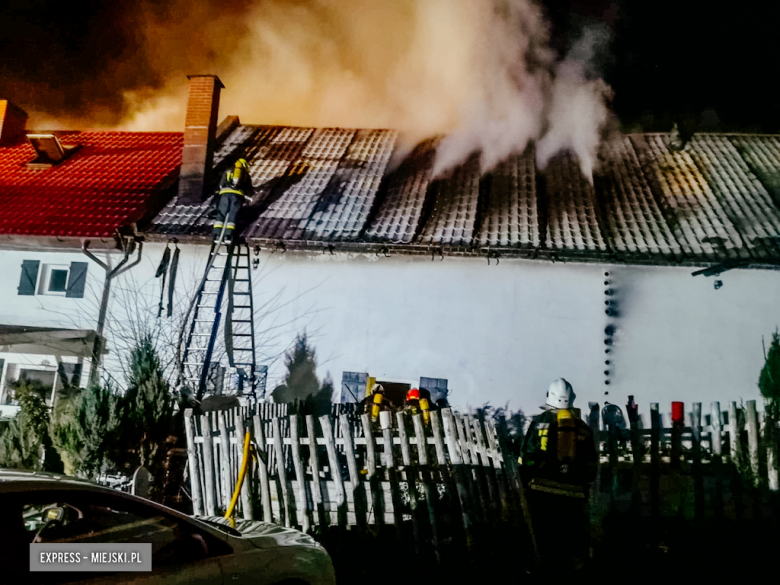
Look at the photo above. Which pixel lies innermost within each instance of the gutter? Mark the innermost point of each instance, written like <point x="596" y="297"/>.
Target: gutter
<point x="128" y="248"/>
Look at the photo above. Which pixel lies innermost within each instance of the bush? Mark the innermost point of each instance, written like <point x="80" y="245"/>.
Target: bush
<point x="25" y="443"/>
<point x="85" y="430"/>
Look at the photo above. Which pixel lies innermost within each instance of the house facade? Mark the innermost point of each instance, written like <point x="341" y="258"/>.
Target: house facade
<point x="656" y="279"/>
<point x="71" y="205"/>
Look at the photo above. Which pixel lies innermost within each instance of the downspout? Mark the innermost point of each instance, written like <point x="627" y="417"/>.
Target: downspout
<point x="97" y="347"/>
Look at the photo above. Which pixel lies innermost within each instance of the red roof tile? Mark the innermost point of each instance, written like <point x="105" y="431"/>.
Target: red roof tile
<point x="106" y="184"/>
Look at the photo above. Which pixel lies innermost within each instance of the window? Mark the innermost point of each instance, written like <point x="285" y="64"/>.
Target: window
<point x="53" y="279"/>
<point x="41" y="382"/>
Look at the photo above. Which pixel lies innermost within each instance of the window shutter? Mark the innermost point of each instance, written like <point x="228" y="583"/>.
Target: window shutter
<point x="29" y="277"/>
<point x="436" y="386"/>
<point x="353" y="386"/>
<point x="69" y="375"/>
<point x="77" y="280"/>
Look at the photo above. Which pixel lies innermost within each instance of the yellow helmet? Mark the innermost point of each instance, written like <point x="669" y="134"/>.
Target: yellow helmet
<point x="242" y="163"/>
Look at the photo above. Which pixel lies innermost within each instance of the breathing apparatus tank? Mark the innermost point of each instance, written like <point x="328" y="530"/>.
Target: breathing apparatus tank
<point x="377" y="399"/>
<point x="567" y="438"/>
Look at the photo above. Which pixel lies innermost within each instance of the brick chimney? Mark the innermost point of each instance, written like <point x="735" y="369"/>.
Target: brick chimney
<point x="12" y="123"/>
<point x="199" y="132"/>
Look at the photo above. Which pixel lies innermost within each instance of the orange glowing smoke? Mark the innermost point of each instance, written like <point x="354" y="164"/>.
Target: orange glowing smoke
<point x="479" y="72"/>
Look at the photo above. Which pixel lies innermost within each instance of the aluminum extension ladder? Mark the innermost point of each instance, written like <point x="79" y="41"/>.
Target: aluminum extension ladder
<point x="228" y="268"/>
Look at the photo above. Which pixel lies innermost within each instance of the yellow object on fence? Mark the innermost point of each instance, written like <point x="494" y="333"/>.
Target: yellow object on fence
<point x="241" y="474"/>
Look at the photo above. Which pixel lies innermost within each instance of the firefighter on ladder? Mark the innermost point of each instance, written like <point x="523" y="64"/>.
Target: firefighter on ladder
<point x="558" y="464"/>
<point x="235" y="187"/>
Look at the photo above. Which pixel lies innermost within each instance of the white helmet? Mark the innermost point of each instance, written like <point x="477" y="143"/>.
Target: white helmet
<point x="560" y="394"/>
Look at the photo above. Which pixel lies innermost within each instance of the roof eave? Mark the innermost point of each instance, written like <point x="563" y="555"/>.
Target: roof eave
<point x="54" y="243"/>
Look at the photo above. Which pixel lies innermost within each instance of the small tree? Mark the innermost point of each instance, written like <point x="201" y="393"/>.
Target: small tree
<point x="301" y="383"/>
<point x="25" y="443"/>
<point x="146" y="411"/>
<point x="85" y="431"/>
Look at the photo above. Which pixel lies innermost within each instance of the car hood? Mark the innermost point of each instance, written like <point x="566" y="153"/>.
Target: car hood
<point x="265" y="534"/>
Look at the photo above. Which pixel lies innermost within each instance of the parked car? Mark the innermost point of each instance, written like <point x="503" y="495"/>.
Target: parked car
<point x="48" y="508"/>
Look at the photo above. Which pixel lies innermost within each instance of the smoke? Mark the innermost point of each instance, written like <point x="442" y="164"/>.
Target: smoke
<point x="577" y="108"/>
<point x="480" y="73"/>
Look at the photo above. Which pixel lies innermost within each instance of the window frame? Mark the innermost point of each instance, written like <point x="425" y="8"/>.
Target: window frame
<point x="44" y="280"/>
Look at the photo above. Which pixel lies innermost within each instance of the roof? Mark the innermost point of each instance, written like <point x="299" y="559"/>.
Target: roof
<point x="325" y="189"/>
<point x="113" y="179"/>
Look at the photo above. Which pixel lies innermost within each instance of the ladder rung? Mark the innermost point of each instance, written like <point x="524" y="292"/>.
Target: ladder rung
<point x="241" y="293"/>
<point x="242" y="306"/>
<point x="242" y="320"/>
<point x="208" y="292"/>
<point x="204" y="320"/>
<point x="242" y="335"/>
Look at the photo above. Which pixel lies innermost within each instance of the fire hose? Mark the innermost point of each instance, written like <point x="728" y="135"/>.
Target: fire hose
<point x="241" y="474"/>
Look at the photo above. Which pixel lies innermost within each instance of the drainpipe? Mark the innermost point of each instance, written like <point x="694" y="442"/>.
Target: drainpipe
<point x="127" y="248"/>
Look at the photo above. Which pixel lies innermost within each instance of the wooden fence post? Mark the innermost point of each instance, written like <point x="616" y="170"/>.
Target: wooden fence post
<point x="698" y="482"/>
<point x="716" y="428"/>
<point x="734" y="431"/>
<point x="411" y="478"/>
<point x="192" y="459"/>
<point x="716" y="463"/>
<point x="655" y="464"/>
<point x="637" y="456"/>
<point x="500" y="475"/>
<point x="335" y="468"/>
<point x="208" y="465"/>
<point x="295" y="443"/>
<point x="246" y="486"/>
<point x="373" y="483"/>
<point x="224" y="460"/>
<point x="430" y="494"/>
<point x="483" y="465"/>
<point x="315" y="471"/>
<point x="752" y="429"/>
<point x="457" y="472"/>
<point x="262" y="469"/>
<point x="281" y="470"/>
<point x="387" y="438"/>
<point x="470" y="459"/>
<point x="356" y="486"/>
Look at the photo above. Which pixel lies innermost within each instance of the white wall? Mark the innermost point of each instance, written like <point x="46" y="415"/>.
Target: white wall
<point x="48" y="310"/>
<point x="502" y="333"/>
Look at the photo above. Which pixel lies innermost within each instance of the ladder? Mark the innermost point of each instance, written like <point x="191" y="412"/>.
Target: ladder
<point x="228" y="268"/>
<point x="239" y="322"/>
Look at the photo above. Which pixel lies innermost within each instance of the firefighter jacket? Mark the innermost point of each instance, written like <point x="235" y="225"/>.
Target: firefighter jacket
<point x="541" y="456"/>
<point x="242" y="187"/>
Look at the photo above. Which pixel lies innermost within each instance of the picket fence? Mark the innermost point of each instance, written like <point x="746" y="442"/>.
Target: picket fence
<point x="448" y="476"/>
<point x="721" y="464"/>
<point x="341" y="469"/>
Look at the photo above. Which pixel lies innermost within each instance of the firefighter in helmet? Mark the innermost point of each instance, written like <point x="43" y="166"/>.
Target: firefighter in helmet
<point x="419" y="402"/>
<point x="375" y="402"/>
<point x="235" y="188"/>
<point x="558" y="464"/>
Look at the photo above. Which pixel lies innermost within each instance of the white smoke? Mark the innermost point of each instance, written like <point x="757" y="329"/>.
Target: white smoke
<point x="578" y="109"/>
<point x="524" y="96"/>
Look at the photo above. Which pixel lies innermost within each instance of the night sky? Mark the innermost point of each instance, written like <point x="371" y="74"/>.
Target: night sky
<point x="709" y="66"/>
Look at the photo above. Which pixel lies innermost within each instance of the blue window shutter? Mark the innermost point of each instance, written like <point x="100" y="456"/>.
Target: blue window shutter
<point x="29" y="277"/>
<point x="436" y="386"/>
<point x="353" y="386"/>
<point x="77" y="280"/>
